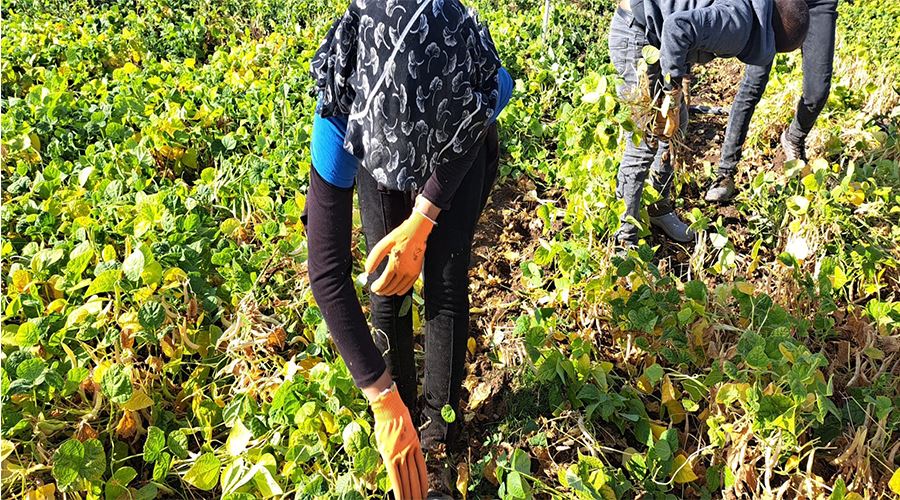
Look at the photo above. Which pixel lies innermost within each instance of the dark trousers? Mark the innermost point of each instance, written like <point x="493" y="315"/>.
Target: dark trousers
<point x="818" y="56"/>
<point x="446" y="291"/>
<point x="626" y="40"/>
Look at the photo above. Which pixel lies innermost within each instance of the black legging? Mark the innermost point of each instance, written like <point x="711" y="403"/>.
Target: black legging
<point x="329" y="218"/>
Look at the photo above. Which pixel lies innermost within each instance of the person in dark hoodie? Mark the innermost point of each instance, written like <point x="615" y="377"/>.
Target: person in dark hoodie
<point x="409" y="91"/>
<point x="686" y="32"/>
<point x="818" y="61"/>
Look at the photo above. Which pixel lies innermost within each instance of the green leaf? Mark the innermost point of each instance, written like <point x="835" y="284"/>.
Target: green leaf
<point x="153" y="446"/>
<point x="152" y="273"/>
<point x="718" y="240"/>
<point x="75" y="460"/>
<point x="95" y="460"/>
<point x="178" y="443"/>
<point x="124" y="475"/>
<point x="67" y="461"/>
<point x="654" y="373"/>
<point x="105" y="282"/>
<point x="650" y="54"/>
<point x="365" y="461"/>
<point x="448" y="414"/>
<point x="671" y="436"/>
<point x="204" y="473"/>
<point x="839" y="491"/>
<point x="521" y="461"/>
<point x="116" y="384"/>
<point x="134" y="266"/>
<point x="662" y="450"/>
<point x="517" y="486"/>
<point x="147" y="492"/>
<point x="161" y="467"/>
<point x="79" y="258"/>
<point x="266" y="484"/>
<point x="233" y="476"/>
<point x="32" y="370"/>
<point x="151" y="316"/>
<point x="229" y="142"/>
<point x="27" y="335"/>
<point x="757" y="358"/>
<point x="354" y="437"/>
<point x="696" y="291"/>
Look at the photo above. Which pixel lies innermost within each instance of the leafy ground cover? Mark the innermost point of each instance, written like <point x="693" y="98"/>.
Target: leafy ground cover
<point x="160" y="340"/>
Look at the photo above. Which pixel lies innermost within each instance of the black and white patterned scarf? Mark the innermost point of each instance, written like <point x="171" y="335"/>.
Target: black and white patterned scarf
<point x="417" y="79"/>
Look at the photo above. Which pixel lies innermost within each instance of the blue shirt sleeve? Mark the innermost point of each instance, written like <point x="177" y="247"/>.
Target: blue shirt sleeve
<point x="329" y="158"/>
<point x="505" y="85"/>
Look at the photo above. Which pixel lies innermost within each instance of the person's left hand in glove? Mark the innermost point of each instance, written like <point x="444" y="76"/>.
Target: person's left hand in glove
<point x="406" y="247"/>
<point x="398" y="443"/>
<point x="668" y="115"/>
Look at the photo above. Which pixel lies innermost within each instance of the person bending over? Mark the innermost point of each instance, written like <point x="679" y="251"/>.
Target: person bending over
<point x="409" y="91"/>
<point x="686" y="32"/>
<point x="818" y="57"/>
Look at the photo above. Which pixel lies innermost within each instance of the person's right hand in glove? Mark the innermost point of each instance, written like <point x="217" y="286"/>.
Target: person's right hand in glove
<point x="668" y="116"/>
<point x="398" y="443"/>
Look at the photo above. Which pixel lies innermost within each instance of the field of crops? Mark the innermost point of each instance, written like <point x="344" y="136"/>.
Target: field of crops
<point x="159" y="338"/>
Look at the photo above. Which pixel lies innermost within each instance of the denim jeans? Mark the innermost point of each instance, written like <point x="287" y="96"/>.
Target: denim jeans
<point x="626" y="40"/>
<point x="329" y="225"/>
<point x="818" y="55"/>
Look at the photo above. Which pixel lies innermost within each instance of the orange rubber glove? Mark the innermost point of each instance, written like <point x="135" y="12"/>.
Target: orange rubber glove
<point x="668" y="117"/>
<point x="398" y="443"/>
<point x="406" y="246"/>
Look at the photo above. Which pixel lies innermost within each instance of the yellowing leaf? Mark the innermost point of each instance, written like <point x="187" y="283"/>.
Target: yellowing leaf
<point x="479" y="395"/>
<point x="57" y="306"/>
<point x="45" y="492"/>
<point x="138" y="401"/>
<point x="100" y="370"/>
<point x="127" y="425"/>
<point x="855" y="197"/>
<point x="238" y="439"/>
<point x="668" y="390"/>
<point x="21" y="278"/>
<point x="90" y="308"/>
<point x="818" y="164"/>
<point x="788" y="355"/>
<point x="644" y="385"/>
<point x="328" y="421"/>
<point x="676" y="411"/>
<point x="745" y="287"/>
<point x="657" y="429"/>
<point x="684" y="472"/>
<point x="894" y="483"/>
<point x="173" y="277"/>
<point x="471" y="345"/>
<point x="462" y="479"/>
<point x="670" y="401"/>
<point x="730" y="392"/>
<point x="109" y="252"/>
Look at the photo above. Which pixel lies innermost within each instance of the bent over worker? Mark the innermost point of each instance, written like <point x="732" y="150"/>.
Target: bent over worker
<point x="818" y="65"/>
<point x="409" y="91"/>
<point x="686" y="32"/>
